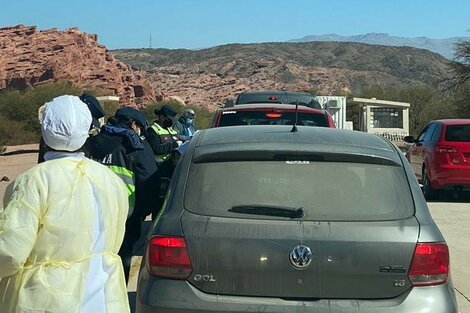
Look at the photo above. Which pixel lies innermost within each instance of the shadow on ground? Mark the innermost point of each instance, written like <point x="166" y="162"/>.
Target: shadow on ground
<point x="452" y="197"/>
<point x="139" y="250"/>
<point x="19" y="152"/>
<point x="132" y="296"/>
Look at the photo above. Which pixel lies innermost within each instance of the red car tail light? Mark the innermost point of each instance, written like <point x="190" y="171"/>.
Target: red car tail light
<point x="450" y="153"/>
<point x="167" y="256"/>
<point x="445" y="149"/>
<point x="273" y="115"/>
<point x="430" y="264"/>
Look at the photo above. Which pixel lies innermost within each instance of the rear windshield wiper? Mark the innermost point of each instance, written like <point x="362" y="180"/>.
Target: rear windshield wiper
<point x="270" y="210"/>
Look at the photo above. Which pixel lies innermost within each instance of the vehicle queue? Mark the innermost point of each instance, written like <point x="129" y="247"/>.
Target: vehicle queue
<point x="253" y="218"/>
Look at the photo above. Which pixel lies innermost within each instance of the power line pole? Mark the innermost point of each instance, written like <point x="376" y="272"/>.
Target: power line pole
<point x="150" y="42"/>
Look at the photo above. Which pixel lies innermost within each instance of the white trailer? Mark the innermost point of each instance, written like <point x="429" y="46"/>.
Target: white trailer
<point x="336" y="105"/>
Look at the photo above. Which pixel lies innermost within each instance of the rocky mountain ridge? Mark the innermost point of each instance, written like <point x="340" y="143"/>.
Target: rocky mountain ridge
<point x="29" y="57"/>
<point x="206" y="77"/>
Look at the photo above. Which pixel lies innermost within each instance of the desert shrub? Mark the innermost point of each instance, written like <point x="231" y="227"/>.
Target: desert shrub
<point x="21" y="105"/>
<point x="19" y="111"/>
<point x="13" y="133"/>
<point x="461" y="100"/>
<point x="109" y="107"/>
<point x="203" y="117"/>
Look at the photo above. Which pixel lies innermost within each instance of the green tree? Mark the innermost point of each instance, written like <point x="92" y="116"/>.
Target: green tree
<point x="460" y="81"/>
<point x="461" y="64"/>
<point x="461" y="101"/>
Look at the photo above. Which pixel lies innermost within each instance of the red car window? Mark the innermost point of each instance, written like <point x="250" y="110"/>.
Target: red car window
<point x="459" y="133"/>
<point x="267" y="118"/>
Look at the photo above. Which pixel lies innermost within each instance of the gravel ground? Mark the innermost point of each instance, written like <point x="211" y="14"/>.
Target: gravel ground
<point x="14" y="161"/>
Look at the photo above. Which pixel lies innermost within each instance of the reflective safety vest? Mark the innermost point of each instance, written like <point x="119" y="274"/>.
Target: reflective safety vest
<point x="161" y="132"/>
<point x="128" y="178"/>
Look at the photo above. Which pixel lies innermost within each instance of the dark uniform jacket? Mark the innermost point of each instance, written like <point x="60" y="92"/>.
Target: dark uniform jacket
<point x="120" y="147"/>
<point x="163" y="146"/>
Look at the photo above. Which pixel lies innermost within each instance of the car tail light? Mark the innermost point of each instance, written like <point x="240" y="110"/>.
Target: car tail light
<point x="430" y="264"/>
<point x="273" y="115"/>
<point x="272" y="98"/>
<point x="450" y="153"/>
<point x="445" y="149"/>
<point x="168" y="257"/>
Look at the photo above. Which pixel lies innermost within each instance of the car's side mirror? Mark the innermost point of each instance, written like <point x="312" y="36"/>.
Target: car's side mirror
<point x="409" y="139"/>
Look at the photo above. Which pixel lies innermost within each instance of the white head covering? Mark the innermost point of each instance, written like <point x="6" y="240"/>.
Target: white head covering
<point x="65" y="123"/>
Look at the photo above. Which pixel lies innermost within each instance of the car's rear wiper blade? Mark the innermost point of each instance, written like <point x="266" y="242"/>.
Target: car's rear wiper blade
<point x="270" y="210"/>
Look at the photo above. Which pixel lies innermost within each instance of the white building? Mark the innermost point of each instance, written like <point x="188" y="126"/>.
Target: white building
<point x="107" y="98"/>
<point x="386" y="118"/>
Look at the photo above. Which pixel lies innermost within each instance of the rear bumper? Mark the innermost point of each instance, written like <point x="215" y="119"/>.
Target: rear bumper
<point x="446" y="177"/>
<point x="173" y="296"/>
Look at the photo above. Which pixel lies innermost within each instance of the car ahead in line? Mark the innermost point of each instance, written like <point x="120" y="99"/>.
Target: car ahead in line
<point x="440" y="156"/>
<point x="271" y="114"/>
<point x="278" y="96"/>
<point x="266" y="219"/>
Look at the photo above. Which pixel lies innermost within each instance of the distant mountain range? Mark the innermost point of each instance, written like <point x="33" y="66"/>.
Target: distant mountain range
<point x="206" y="77"/>
<point x="444" y="47"/>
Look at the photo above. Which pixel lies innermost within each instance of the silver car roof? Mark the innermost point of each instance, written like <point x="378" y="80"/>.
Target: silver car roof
<point x="306" y="139"/>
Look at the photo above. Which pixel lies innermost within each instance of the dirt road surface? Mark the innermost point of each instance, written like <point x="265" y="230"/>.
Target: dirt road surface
<point x="451" y="215"/>
<point x="14" y="161"/>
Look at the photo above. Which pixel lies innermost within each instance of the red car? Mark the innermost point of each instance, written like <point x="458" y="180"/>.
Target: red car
<point x="271" y="114"/>
<point x="440" y="156"/>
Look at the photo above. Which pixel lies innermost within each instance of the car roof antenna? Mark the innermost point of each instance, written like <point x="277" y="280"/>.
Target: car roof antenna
<point x="294" y="127"/>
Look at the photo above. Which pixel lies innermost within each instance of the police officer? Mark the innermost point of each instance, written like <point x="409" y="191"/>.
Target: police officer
<point x="119" y="145"/>
<point x="163" y="140"/>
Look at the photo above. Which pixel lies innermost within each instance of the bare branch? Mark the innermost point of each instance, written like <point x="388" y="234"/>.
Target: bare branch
<point x="461" y="64"/>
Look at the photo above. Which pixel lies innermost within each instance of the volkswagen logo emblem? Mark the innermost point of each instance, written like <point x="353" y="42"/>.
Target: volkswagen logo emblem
<point x="300" y="256"/>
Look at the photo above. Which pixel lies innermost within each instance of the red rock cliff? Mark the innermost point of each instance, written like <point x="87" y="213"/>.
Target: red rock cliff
<point x="29" y="57"/>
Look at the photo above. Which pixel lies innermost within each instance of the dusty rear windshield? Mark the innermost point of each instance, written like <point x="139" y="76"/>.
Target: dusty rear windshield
<point x="459" y="133"/>
<point x="289" y="98"/>
<point x="326" y="191"/>
<point x="234" y="118"/>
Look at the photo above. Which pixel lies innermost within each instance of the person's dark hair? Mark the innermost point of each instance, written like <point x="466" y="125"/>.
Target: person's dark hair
<point x="112" y="120"/>
<point x="124" y="120"/>
<point x="126" y="115"/>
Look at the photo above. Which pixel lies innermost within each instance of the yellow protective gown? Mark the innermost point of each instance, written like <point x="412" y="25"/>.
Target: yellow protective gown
<point x="59" y="238"/>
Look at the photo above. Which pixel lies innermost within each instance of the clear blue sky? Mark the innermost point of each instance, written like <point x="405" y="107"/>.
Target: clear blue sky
<point x="204" y="23"/>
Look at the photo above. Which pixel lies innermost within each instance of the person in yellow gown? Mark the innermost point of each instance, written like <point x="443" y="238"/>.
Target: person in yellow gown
<point x="63" y="225"/>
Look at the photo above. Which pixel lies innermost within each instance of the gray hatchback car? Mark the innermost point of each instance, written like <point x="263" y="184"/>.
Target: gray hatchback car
<point x="265" y="219"/>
